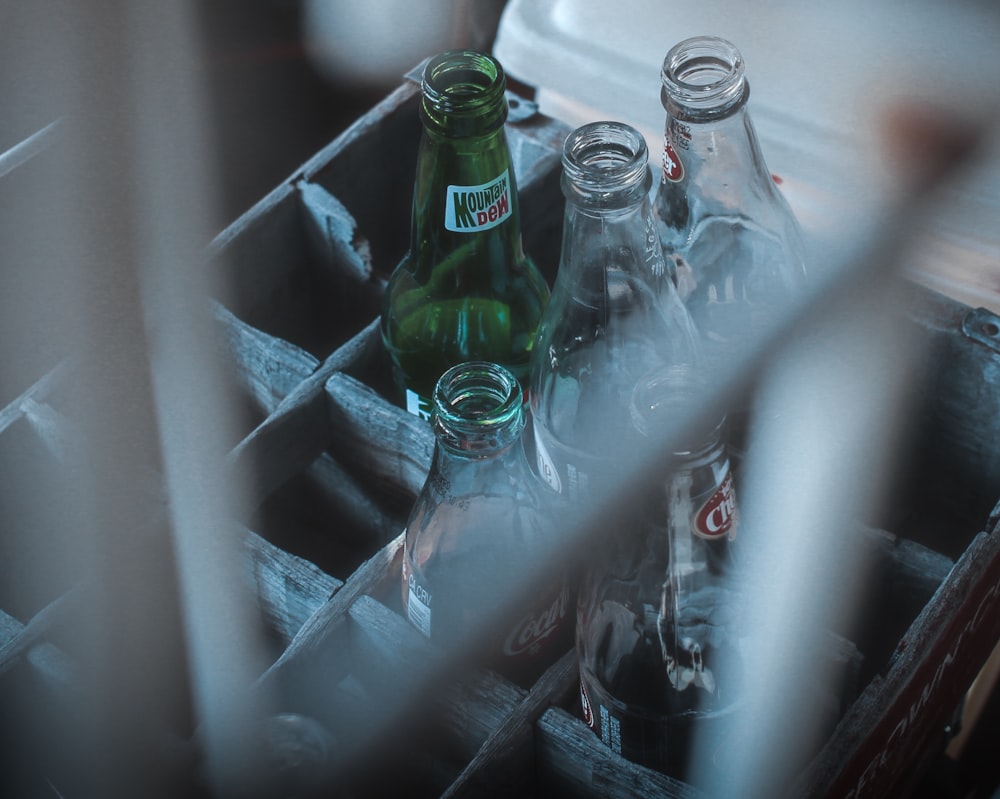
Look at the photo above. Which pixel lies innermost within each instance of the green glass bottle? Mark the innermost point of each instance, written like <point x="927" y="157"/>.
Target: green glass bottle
<point x="465" y="290"/>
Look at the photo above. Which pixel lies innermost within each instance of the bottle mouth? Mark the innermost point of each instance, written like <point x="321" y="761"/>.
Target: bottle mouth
<point x="603" y="160"/>
<point x="463" y="83"/>
<point x="703" y="75"/>
<point x="664" y="395"/>
<point x="478" y="406"/>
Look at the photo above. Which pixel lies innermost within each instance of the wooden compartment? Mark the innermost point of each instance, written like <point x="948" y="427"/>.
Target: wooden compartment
<point x="928" y="632"/>
<point x="308" y="263"/>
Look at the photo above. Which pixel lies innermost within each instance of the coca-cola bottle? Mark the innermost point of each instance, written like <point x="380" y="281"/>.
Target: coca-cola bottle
<point x="480" y="524"/>
<point x="465" y="290"/>
<point x="729" y="235"/>
<point x="658" y="612"/>
<point x="614" y="313"/>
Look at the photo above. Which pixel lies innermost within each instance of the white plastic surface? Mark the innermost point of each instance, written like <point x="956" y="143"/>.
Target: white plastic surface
<point x="821" y="74"/>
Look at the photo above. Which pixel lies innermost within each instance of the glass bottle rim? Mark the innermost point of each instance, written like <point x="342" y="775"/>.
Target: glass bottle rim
<point x="477" y="408"/>
<point x="604" y="160"/>
<point x="466" y="83"/>
<point x="670" y="389"/>
<point x="704" y="76"/>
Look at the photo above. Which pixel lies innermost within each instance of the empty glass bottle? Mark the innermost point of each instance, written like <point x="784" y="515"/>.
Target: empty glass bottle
<point x="465" y="290"/>
<point x="730" y="238"/>
<point x="482" y="525"/>
<point x="658" y="612"/>
<point x="614" y="313"/>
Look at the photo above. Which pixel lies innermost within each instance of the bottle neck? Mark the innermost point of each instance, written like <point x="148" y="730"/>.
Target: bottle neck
<point x="478" y="410"/>
<point x="663" y="396"/>
<point x="695" y="497"/>
<point x="464" y="171"/>
<point x="703" y="79"/>
<point x="708" y="128"/>
<point x="463" y="94"/>
<point x="614" y="313"/>
<point x="725" y="148"/>
<point x="465" y="188"/>
<point x="608" y="219"/>
<point x="605" y="169"/>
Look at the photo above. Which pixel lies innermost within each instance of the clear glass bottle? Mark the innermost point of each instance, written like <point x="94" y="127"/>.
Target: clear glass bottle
<point x="614" y="313"/>
<point x="731" y="240"/>
<point x="658" y="624"/>
<point x="465" y="290"/>
<point x="481" y="523"/>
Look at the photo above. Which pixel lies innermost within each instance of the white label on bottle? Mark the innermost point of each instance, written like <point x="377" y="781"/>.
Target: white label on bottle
<point x="417" y="405"/>
<point x="418" y="605"/>
<point x="546" y="468"/>
<point x="611" y="730"/>
<point x="469" y="209"/>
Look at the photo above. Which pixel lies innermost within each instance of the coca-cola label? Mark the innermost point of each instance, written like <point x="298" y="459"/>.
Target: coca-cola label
<point x="717" y="517"/>
<point x="529" y="635"/>
<point x="469" y="209"/>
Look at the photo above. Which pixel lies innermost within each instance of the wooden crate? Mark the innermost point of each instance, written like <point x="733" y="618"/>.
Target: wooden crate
<point x="333" y="467"/>
<point x="931" y="625"/>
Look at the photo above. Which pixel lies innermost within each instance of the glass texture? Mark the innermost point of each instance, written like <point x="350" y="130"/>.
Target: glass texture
<point x="614" y="313"/>
<point x="480" y="524"/>
<point x="465" y="290"/>
<point x="658" y="613"/>
<point x="733" y="245"/>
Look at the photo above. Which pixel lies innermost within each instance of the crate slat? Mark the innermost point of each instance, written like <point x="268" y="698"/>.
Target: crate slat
<point x="289" y="589"/>
<point x="572" y="762"/>
<point x="935" y="662"/>
<point x="504" y="764"/>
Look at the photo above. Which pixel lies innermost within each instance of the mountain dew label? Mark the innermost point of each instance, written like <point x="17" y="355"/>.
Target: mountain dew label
<point x="470" y="209"/>
<point x="417" y="404"/>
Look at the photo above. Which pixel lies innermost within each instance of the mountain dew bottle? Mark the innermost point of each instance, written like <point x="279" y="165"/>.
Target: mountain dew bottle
<point x="465" y="290"/>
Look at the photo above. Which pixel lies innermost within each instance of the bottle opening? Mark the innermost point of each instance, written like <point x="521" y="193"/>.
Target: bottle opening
<point x="665" y="395"/>
<point x="459" y="81"/>
<point x="605" y="156"/>
<point x="478" y="405"/>
<point x="704" y="73"/>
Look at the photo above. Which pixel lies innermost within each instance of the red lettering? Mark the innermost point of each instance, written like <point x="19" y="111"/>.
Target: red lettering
<point x="495" y="212"/>
<point x="715" y="518"/>
<point x="533" y="629"/>
<point x="911" y="715"/>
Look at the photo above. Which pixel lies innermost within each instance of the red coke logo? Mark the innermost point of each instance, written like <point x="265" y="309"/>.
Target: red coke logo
<point x="673" y="169"/>
<point x="717" y="516"/>
<point x="528" y="636"/>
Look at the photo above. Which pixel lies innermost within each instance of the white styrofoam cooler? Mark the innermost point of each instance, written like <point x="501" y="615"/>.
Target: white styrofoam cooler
<point x="820" y="75"/>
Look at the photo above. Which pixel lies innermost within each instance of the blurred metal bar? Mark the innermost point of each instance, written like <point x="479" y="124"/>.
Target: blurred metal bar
<point x="167" y="638"/>
<point x="26" y="150"/>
